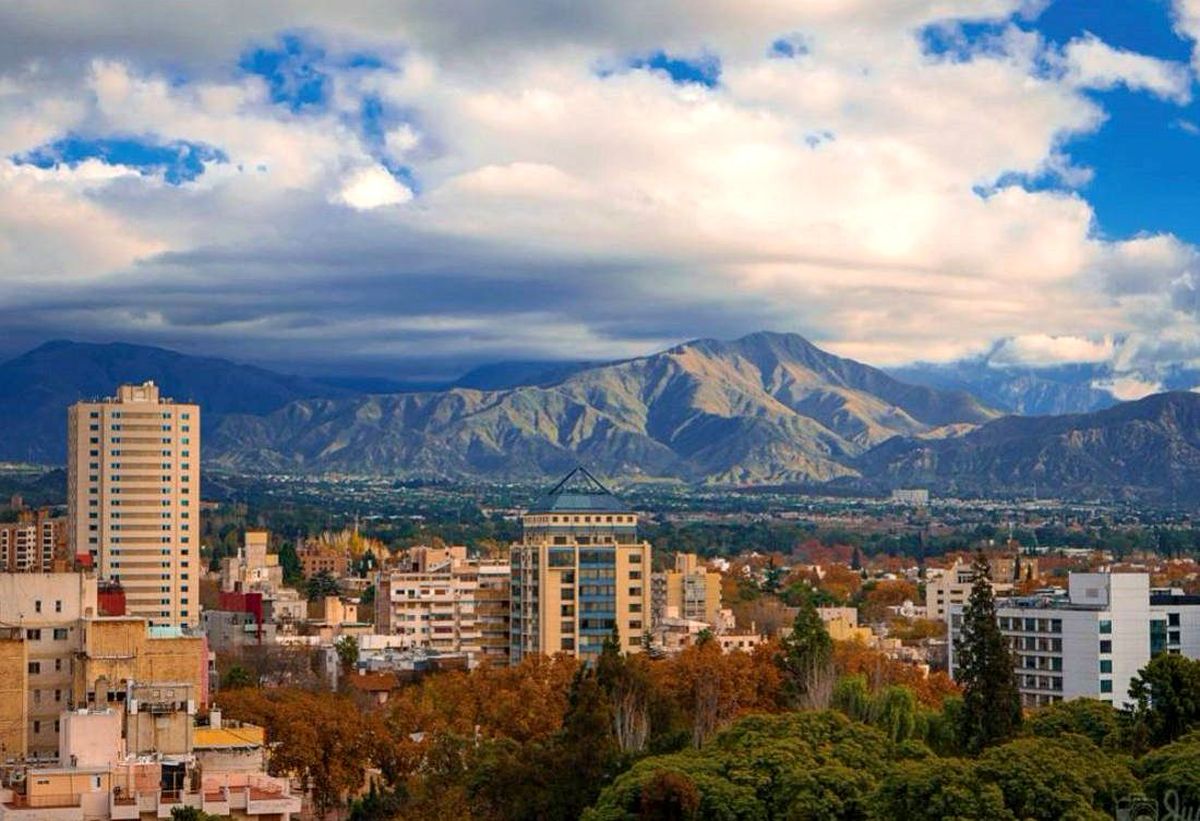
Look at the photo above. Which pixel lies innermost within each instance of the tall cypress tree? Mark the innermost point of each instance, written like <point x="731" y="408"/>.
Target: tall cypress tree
<point x="991" y="703"/>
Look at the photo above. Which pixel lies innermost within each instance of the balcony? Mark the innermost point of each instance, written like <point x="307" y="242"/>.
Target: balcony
<point x="263" y="801"/>
<point x="170" y="799"/>
<point x="123" y="807"/>
<point x="215" y="802"/>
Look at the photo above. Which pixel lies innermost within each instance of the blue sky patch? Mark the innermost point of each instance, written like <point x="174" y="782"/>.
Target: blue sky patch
<point x="789" y="47"/>
<point x="704" y="69"/>
<point x="292" y="70"/>
<point x="178" y="162"/>
<point x="960" y="41"/>
<point x="1145" y="157"/>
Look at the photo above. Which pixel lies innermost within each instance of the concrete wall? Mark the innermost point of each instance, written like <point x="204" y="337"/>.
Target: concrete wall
<point x="14" y="684"/>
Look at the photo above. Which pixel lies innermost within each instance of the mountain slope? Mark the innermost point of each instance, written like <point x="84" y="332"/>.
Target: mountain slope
<point x="1049" y="390"/>
<point x="1148" y="449"/>
<point x="766" y="407"/>
<point x="36" y="389"/>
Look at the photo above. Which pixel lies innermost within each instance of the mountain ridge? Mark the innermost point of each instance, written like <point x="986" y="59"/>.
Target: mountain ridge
<point x="763" y="407"/>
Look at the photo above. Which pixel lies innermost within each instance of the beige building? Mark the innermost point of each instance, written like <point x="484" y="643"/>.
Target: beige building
<point x="123" y="650"/>
<point x="48" y="610"/>
<point x="35" y="543"/>
<point x="579" y="572"/>
<point x="14" y="688"/>
<point x="443" y="600"/>
<point x="946" y="587"/>
<point x="133" y="498"/>
<point x="106" y="774"/>
<point x="253" y="568"/>
<point x="690" y="591"/>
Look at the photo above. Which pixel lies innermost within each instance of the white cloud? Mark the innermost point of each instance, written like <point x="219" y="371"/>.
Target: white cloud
<point x="1092" y="63"/>
<point x="633" y="209"/>
<point x="1128" y="388"/>
<point x="372" y="187"/>
<point x="1187" y="23"/>
<point x="1042" y="349"/>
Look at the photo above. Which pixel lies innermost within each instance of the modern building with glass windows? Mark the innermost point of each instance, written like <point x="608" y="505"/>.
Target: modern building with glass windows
<point x="1092" y="640"/>
<point x="578" y="572"/>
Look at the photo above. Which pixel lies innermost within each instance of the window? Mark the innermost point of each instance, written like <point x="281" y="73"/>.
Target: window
<point x="1172" y="619"/>
<point x="37" y="606"/>
<point x="1105" y="665"/>
<point x="1105" y="626"/>
<point x="37" y="727"/>
<point x="1106" y="646"/>
<point x="35" y="667"/>
<point x="33" y="635"/>
<point x="1106" y="685"/>
<point x="60" y="634"/>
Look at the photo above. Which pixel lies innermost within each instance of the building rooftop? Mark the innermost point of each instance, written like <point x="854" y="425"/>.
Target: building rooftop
<point x="247" y="735"/>
<point x="579" y="492"/>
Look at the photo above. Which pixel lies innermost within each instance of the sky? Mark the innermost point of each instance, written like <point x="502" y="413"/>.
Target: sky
<point x="407" y="189"/>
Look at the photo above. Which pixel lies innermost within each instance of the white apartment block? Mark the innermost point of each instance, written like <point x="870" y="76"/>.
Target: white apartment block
<point x="133" y="499"/>
<point x="445" y="601"/>
<point x="1092" y="640"/>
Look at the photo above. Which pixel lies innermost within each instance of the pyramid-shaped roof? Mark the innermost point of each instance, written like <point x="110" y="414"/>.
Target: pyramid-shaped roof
<point x="579" y="492"/>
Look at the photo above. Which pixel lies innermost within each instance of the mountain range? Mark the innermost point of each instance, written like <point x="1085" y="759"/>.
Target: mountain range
<point x="766" y="408"/>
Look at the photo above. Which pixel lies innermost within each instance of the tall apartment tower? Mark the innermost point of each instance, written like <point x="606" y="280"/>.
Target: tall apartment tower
<point x="133" y="499"/>
<point x="578" y="572"/>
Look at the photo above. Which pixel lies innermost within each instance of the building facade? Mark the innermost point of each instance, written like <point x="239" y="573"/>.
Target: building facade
<point x="946" y="587"/>
<point x="578" y="573"/>
<point x="1091" y="640"/>
<point x="46" y="612"/>
<point x="442" y="600"/>
<point x="133" y="498"/>
<point x="690" y="591"/>
<point x="35" y="543"/>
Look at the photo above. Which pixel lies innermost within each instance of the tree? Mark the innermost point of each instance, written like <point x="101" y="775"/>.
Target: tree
<point x="192" y="814"/>
<point x="1046" y="779"/>
<point x="586" y="748"/>
<point x="805" y="659"/>
<point x="290" y="562"/>
<point x="347" y="650"/>
<point x="991" y="702"/>
<point x="937" y="788"/>
<point x="625" y="682"/>
<point x="237" y="676"/>
<point x="1166" y="695"/>
<point x="1089" y="717"/>
<point x="321" y="585"/>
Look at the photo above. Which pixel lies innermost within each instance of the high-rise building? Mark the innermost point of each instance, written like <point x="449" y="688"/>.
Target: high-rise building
<point x="578" y="572"/>
<point x="690" y="591"/>
<point x="1092" y="639"/>
<point x="133" y="499"/>
<point x="35" y="543"/>
<point x="442" y="600"/>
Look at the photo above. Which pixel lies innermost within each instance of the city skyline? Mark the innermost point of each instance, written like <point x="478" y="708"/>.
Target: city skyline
<point x="407" y="192"/>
